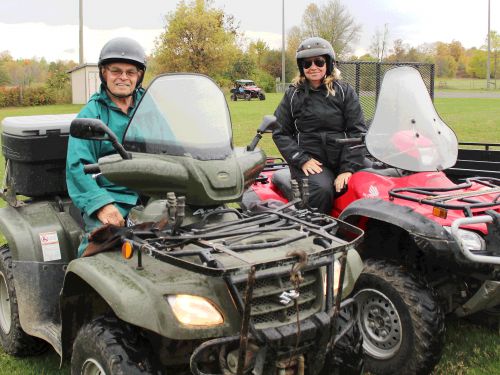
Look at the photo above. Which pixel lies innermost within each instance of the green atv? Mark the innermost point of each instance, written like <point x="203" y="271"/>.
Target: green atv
<point x="197" y="287"/>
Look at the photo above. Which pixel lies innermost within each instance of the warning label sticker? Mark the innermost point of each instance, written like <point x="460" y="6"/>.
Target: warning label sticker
<point x="50" y="246"/>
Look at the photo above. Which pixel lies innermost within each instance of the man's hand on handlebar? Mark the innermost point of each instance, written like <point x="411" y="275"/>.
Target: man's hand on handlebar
<point x="109" y="214"/>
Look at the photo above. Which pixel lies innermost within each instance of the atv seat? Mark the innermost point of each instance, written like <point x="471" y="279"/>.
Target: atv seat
<point x="281" y="179"/>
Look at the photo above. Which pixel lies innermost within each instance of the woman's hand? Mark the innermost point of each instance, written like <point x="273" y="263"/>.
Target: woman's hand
<point x="341" y="181"/>
<point x="109" y="214"/>
<point x="312" y="166"/>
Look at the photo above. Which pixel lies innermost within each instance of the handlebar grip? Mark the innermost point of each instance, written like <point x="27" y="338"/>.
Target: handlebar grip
<point x="91" y="169"/>
<point x="349" y="141"/>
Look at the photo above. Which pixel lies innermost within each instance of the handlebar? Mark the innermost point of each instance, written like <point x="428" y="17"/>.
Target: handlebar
<point x="91" y="169"/>
<point x="350" y="141"/>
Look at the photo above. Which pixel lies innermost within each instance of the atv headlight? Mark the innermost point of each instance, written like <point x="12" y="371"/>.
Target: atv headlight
<point x="194" y="310"/>
<point x="470" y="240"/>
<point x="336" y="278"/>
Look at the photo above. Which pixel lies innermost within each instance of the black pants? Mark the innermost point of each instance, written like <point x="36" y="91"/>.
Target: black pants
<point x="321" y="189"/>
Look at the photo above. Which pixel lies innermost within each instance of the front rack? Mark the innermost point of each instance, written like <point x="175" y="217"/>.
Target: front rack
<point x="463" y="201"/>
<point x="233" y="239"/>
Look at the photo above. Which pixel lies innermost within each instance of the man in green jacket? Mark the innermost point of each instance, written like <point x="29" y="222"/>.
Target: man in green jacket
<point x="121" y="65"/>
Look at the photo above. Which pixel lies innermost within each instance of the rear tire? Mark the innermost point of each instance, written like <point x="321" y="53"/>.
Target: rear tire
<point x="248" y="96"/>
<point x="13" y="339"/>
<point x="262" y="97"/>
<point x="109" y="346"/>
<point x="401" y="320"/>
<point x="234" y="97"/>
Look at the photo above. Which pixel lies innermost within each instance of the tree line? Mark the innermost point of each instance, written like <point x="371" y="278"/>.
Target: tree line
<point x="199" y="37"/>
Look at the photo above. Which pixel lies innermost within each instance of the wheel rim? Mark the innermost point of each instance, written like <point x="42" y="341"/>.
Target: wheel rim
<point x="5" y="313"/>
<point x="92" y="367"/>
<point x="380" y="324"/>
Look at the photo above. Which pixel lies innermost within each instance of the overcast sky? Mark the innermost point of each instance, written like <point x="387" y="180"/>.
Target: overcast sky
<point x="49" y="28"/>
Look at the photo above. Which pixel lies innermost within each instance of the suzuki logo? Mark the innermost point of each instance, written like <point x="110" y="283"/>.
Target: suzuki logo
<point x="287" y="297"/>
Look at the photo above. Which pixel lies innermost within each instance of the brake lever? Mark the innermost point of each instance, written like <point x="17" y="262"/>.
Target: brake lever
<point x="356" y="147"/>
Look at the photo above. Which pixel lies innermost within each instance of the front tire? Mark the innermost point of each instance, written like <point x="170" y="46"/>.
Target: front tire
<point x="262" y="96"/>
<point x="13" y="339"/>
<point x="401" y="320"/>
<point x="109" y="346"/>
<point x="347" y="355"/>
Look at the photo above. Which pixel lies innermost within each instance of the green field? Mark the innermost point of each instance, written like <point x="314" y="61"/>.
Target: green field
<point x="470" y="349"/>
<point x="466" y="84"/>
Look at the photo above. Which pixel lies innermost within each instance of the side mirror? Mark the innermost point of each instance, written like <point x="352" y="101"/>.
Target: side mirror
<point x="268" y="124"/>
<point x="90" y="128"/>
<point x="96" y="130"/>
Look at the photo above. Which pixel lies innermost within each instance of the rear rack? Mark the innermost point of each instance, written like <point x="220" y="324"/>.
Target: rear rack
<point x="231" y="238"/>
<point x="465" y="201"/>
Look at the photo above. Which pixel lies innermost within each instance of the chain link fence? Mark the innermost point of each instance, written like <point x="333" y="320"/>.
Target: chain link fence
<point x="366" y="77"/>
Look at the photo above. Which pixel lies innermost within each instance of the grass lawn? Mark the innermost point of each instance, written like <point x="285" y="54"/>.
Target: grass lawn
<point x="470" y="349"/>
<point x="466" y="84"/>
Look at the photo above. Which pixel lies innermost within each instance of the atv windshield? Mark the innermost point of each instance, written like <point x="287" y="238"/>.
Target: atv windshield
<point x="406" y="131"/>
<point x="181" y="115"/>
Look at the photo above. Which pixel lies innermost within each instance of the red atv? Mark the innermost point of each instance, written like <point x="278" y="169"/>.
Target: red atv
<point x="246" y="89"/>
<point x="431" y="247"/>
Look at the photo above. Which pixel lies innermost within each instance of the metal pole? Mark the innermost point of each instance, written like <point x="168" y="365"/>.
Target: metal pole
<point x="488" y="58"/>
<point x="283" y="42"/>
<point x="80" y="57"/>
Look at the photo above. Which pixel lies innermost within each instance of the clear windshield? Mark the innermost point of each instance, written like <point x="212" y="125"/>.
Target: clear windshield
<point x="406" y="131"/>
<point x="181" y="114"/>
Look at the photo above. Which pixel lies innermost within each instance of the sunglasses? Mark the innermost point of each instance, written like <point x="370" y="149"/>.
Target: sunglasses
<point x="318" y="62"/>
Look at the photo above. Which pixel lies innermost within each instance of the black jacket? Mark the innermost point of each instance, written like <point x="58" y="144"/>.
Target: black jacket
<point x="309" y="121"/>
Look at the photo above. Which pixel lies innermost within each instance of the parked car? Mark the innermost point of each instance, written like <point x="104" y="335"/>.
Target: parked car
<point x="246" y="89"/>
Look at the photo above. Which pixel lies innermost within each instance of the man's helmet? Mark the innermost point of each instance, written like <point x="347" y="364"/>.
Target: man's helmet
<point x="312" y="47"/>
<point x="122" y="50"/>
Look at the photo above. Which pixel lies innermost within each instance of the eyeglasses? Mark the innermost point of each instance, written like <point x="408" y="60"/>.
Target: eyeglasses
<point x="117" y="72"/>
<point x="318" y="62"/>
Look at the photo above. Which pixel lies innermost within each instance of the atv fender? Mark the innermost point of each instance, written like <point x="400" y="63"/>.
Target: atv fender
<point x="427" y="234"/>
<point x="25" y="229"/>
<point x="107" y="283"/>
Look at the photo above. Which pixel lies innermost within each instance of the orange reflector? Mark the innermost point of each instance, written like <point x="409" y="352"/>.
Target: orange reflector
<point x="440" y="212"/>
<point x="127" y="250"/>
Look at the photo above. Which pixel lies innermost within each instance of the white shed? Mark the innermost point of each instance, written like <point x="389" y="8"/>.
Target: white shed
<point x="84" y="82"/>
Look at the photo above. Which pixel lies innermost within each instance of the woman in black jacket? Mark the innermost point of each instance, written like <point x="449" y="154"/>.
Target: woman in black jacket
<point x="316" y="110"/>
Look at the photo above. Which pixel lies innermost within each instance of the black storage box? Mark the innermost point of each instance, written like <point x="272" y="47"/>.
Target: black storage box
<point x="35" y="147"/>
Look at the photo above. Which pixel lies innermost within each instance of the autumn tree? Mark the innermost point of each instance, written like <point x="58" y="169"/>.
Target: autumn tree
<point x="197" y="38"/>
<point x="495" y="52"/>
<point x="4" y="77"/>
<point x="257" y="50"/>
<point x="477" y="63"/>
<point x="333" y="22"/>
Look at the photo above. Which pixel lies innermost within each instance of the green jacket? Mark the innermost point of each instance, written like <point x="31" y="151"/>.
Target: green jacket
<point x="90" y="194"/>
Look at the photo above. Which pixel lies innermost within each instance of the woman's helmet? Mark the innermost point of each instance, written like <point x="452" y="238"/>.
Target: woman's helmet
<point x="122" y="50"/>
<point x="315" y="46"/>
